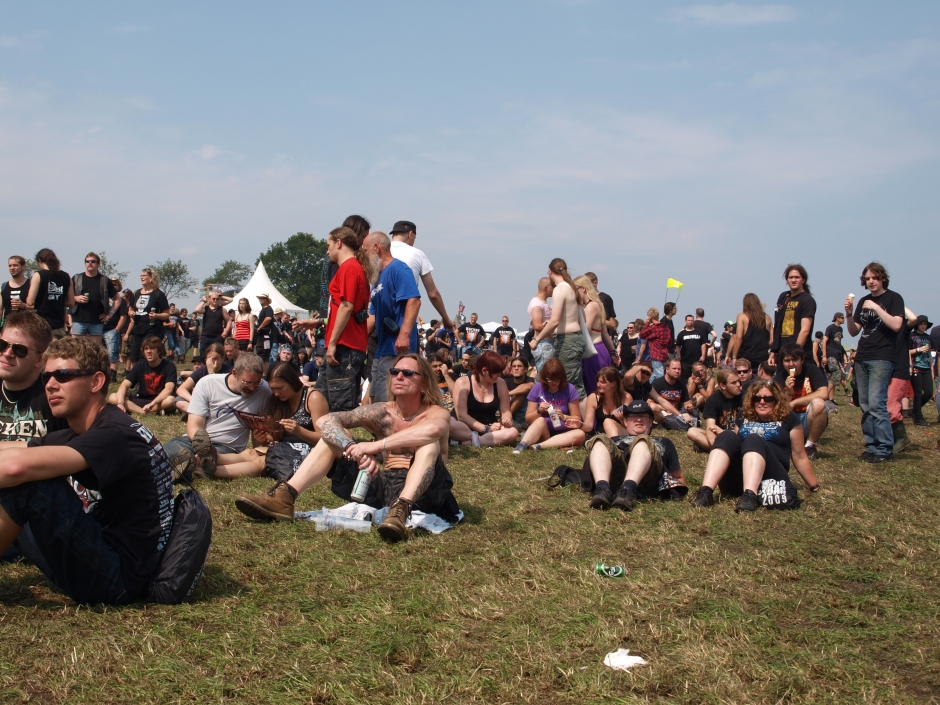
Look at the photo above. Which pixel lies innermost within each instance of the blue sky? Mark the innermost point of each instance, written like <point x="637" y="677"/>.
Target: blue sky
<point x="713" y="143"/>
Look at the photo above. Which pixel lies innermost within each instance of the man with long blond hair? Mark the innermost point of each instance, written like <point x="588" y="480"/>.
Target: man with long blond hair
<point x="405" y="462"/>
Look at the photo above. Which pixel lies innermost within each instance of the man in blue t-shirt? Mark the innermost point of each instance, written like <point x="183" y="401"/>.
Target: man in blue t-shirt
<point x="393" y="310"/>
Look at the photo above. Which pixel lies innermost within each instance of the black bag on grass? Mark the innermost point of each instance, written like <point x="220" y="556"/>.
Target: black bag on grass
<point x="184" y="557"/>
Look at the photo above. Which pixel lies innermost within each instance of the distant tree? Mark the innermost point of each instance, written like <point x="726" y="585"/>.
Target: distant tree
<point x="230" y="272"/>
<point x="110" y="269"/>
<point x="294" y="267"/>
<point x="175" y="278"/>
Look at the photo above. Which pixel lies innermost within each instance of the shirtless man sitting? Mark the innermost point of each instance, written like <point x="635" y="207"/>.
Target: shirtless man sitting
<point x="411" y="431"/>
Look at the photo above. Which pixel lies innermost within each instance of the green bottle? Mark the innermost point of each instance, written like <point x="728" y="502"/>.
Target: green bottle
<point x="609" y="571"/>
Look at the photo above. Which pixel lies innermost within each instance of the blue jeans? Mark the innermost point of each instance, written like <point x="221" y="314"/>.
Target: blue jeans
<point x="171" y="345"/>
<point x="659" y="369"/>
<point x="67" y="544"/>
<point x="112" y="341"/>
<point x="544" y="351"/>
<point x="872" y="378"/>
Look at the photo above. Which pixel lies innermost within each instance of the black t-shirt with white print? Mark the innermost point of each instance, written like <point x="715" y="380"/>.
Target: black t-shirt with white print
<point x="690" y="345"/>
<point x="128" y="466"/>
<point x="472" y="333"/>
<point x="145" y="303"/>
<point x="834" y="347"/>
<point x="877" y="341"/>
<point x="25" y="414"/>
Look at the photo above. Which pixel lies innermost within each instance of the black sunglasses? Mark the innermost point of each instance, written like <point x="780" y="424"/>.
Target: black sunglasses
<point x="758" y="398"/>
<point x="395" y="371"/>
<point x="63" y="376"/>
<point x="19" y="350"/>
<point x="91" y="261"/>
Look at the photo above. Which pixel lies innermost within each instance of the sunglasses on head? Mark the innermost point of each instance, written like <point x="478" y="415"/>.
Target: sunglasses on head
<point x="19" y="350"/>
<point x="395" y="371"/>
<point x="63" y="376"/>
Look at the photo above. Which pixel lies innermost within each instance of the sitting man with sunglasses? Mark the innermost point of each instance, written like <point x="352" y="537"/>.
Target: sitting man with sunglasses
<point x="411" y="431"/>
<point x="107" y="555"/>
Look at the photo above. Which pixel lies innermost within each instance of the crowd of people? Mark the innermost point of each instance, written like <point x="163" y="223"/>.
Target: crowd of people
<point x="86" y="488"/>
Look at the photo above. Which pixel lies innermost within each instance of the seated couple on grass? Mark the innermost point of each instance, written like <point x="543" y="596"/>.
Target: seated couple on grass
<point x="405" y="462"/>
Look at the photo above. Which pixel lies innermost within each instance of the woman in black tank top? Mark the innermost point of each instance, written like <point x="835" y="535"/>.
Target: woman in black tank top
<point x="477" y="423"/>
<point x="753" y="334"/>
<point x="600" y="406"/>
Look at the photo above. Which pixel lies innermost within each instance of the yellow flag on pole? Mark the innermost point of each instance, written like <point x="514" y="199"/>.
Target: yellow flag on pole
<point x="673" y="284"/>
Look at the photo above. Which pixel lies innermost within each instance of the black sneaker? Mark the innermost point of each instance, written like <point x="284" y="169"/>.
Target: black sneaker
<point x="602" y="498"/>
<point x="705" y="497"/>
<point x="749" y="502"/>
<point x="812" y="452"/>
<point x="921" y="422"/>
<point x="875" y="459"/>
<point x="625" y="498"/>
<point x="866" y="456"/>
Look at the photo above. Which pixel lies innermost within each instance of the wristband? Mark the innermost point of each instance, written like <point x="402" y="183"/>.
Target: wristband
<point x="346" y="447"/>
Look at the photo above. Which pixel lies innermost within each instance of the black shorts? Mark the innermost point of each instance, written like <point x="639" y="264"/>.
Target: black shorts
<point x="776" y="491"/>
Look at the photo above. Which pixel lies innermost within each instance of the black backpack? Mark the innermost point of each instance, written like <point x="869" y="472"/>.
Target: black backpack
<point x="184" y="557"/>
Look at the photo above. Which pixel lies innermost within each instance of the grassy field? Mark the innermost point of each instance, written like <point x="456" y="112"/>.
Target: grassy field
<point x="836" y="602"/>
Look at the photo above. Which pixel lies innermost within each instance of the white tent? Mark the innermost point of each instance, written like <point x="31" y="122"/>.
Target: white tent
<point x="490" y="327"/>
<point x="259" y="284"/>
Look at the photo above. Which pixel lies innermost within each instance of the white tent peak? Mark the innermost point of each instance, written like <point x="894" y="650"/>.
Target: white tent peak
<point x="258" y="284"/>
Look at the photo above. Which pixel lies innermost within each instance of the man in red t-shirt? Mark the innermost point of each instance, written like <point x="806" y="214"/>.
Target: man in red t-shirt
<point x="346" y="336"/>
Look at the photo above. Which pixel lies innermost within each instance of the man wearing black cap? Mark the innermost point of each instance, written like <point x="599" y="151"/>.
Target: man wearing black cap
<point x="636" y="464"/>
<point x="922" y="377"/>
<point x="403" y="235"/>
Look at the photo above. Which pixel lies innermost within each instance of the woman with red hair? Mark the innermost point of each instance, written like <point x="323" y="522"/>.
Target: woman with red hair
<point x="482" y="405"/>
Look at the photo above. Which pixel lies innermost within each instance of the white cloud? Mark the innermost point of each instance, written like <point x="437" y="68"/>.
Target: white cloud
<point x="10" y="42"/>
<point x="733" y="14"/>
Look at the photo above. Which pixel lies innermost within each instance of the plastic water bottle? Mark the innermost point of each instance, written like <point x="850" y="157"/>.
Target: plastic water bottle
<point x="330" y="521"/>
<point x="553" y="415"/>
<point x="609" y="571"/>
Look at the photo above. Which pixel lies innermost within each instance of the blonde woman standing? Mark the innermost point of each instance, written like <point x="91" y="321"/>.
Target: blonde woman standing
<point x="594" y="317"/>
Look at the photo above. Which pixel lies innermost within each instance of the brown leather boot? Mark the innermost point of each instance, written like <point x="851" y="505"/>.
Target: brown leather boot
<point x="276" y="505"/>
<point x="207" y="455"/>
<point x="393" y="528"/>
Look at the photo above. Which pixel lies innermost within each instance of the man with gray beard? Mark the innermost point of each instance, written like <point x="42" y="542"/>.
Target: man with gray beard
<point x="393" y="311"/>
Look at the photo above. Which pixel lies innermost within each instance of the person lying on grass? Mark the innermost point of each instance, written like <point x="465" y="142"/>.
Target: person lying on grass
<point x="754" y="462"/>
<point x="554" y="414"/>
<point x="110" y="554"/>
<point x="404" y="462"/>
<point x="634" y="466"/>
<point x="155" y="379"/>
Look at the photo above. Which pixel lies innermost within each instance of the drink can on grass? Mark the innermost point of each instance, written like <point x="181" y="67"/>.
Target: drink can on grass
<point x="361" y="487"/>
<point x="609" y="571"/>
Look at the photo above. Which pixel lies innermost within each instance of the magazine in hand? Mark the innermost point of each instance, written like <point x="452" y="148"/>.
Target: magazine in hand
<point x="257" y="422"/>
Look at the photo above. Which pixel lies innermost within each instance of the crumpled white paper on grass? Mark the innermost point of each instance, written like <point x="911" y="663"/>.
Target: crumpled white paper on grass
<point x="621" y="660"/>
<point x="356" y="510"/>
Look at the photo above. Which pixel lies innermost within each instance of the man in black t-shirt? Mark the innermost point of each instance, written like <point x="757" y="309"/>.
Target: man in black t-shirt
<point x="155" y="379"/>
<point x="265" y="329"/>
<point x="690" y="345"/>
<point x="94" y="294"/>
<point x="13" y="294"/>
<point x="215" y="319"/>
<point x="669" y="395"/>
<point x="709" y="334"/>
<point x="879" y="317"/>
<point x="504" y="339"/>
<point x="808" y="389"/>
<point x="722" y="410"/>
<point x="471" y="335"/>
<point x="24" y="410"/>
<point x="110" y="555"/>
<point x="636" y="381"/>
<point x="794" y="315"/>
<point x="635" y="466"/>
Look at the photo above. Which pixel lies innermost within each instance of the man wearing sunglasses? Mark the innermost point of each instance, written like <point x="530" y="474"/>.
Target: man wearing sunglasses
<point x="411" y="433"/>
<point x="96" y="300"/>
<point x="109" y="555"/>
<point x="24" y="410"/>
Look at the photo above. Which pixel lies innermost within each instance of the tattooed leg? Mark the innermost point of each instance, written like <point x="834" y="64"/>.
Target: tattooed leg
<point x="315" y="466"/>
<point x="421" y="472"/>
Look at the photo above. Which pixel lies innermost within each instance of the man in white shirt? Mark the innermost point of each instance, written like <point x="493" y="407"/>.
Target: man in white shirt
<point x="539" y="314"/>
<point x="212" y="426"/>
<point x="403" y="240"/>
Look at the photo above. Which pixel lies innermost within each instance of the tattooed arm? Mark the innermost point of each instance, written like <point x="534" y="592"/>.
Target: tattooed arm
<point x="428" y="431"/>
<point x="372" y="417"/>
